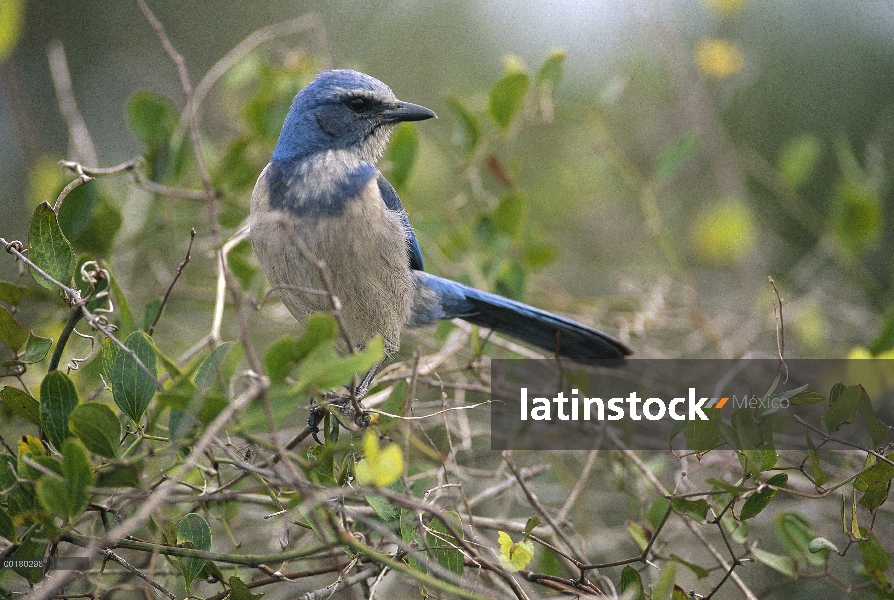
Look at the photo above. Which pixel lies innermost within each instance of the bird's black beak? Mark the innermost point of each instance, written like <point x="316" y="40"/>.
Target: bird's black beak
<point x="405" y="111"/>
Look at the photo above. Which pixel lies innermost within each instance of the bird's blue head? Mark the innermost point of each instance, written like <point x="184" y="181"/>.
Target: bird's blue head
<point x="343" y="110"/>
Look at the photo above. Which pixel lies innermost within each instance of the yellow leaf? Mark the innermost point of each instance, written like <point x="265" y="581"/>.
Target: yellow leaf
<point x="382" y="466"/>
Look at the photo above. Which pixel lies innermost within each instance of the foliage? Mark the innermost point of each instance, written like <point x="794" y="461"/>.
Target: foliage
<point x="126" y="448"/>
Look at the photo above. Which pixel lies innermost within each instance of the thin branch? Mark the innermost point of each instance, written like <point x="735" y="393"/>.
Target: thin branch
<point x="536" y="504"/>
<point x="78" y="133"/>
<point x="183" y="263"/>
<point x="108" y="554"/>
<point x="310" y="21"/>
<point x="163" y="490"/>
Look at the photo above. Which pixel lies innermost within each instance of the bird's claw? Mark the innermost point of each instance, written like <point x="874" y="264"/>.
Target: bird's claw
<point x="343" y="402"/>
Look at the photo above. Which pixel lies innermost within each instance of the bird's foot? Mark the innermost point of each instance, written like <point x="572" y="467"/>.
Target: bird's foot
<point x="345" y="412"/>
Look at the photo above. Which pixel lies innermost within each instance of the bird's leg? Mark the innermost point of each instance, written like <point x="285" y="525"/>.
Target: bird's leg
<point x="348" y="404"/>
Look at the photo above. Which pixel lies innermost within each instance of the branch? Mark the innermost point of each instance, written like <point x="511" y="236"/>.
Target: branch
<point x="183" y="263"/>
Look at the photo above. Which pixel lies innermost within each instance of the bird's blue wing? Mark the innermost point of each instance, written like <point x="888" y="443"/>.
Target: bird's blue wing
<point x="392" y="201"/>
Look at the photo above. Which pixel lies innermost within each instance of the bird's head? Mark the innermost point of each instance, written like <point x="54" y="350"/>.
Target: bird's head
<point x="344" y="110"/>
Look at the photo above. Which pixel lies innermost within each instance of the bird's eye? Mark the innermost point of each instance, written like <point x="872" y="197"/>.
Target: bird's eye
<point x="357" y="104"/>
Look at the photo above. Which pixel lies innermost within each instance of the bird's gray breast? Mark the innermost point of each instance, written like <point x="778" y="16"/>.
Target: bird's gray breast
<point x="362" y="243"/>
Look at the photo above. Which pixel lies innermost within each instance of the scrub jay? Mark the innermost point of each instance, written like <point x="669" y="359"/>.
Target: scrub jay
<point x="321" y="198"/>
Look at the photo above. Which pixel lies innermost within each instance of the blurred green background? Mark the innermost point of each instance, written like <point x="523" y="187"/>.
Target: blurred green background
<point x="694" y="149"/>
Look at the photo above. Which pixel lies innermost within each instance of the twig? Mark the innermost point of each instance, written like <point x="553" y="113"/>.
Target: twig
<point x="329" y="590"/>
<point x="535" y="502"/>
<point x="81" y="180"/>
<point x="306" y="22"/>
<point x="220" y="299"/>
<point x="73" y="317"/>
<point x="183" y="263"/>
<point x="115" y="558"/>
<point x="780" y="323"/>
<point x="75" y="300"/>
<point x="186" y="86"/>
<point x="164" y="489"/>
<point x="656" y="483"/>
<point x="77" y="127"/>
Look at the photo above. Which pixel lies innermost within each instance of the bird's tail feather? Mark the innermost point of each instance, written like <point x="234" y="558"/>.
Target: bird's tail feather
<point x="555" y="334"/>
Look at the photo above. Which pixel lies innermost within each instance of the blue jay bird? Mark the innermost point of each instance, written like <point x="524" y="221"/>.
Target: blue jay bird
<point x="321" y="198"/>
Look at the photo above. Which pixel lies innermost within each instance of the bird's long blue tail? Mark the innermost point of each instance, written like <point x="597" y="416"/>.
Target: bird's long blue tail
<point x="439" y="298"/>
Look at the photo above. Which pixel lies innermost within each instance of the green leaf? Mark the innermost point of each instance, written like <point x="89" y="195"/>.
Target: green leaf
<point x="844" y="409"/>
<point x="880" y="472"/>
<point x="665" y="584"/>
<point x="99" y="234"/>
<point x="98" y="427"/>
<point x="820" y="544"/>
<point x="816" y="469"/>
<point x="193" y="531"/>
<point x="875" y="557"/>
<point x="58" y="397"/>
<point x="795" y="535"/>
<point x="239" y="591"/>
<point x="11" y="293"/>
<point x="699" y="571"/>
<point x="7" y="528"/>
<point x="133" y="388"/>
<point x="36" y="349"/>
<point x="323" y="369"/>
<point x="29" y="548"/>
<point x="808" y="398"/>
<point x="511" y="214"/>
<point x="21" y="404"/>
<point x="506" y="98"/>
<point x="469" y="133"/>
<point x="210" y="368"/>
<point x="21" y="501"/>
<point x="878" y="431"/>
<point x="444" y="545"/>
<point x="386" y="511"/>
<point x="13" y="334"/>
<point x="694" y="509"/>
<point x="532" y="523"/>
<point x="152" y="117"/>
<point x="783" y="564"/>
<point x="639" y="534"/>
<point x="123" y="306"/>
<point x="550" y="72"/>
<point x="703" y="435"/>
<point x="30" y="447"/>
<point x="150" y="311"/>
<point x="798" y="159"/>
<point x="240" y="260"/>
<point x="67" y="497"/>
<point x="876" y="495"/>
<point x="48" y="248"/>
<point x="631" y="584"/>
<point x="282" y="356"/>
<point x="759" y="500"/>
<point x="120" y="476"/>
<point x="401" y="154"/>
<point x="514" y="556"/>
<point x="674" y="156"/>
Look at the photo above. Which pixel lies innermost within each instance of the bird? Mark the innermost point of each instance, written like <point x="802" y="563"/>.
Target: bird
<point x="325" y="222"/>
